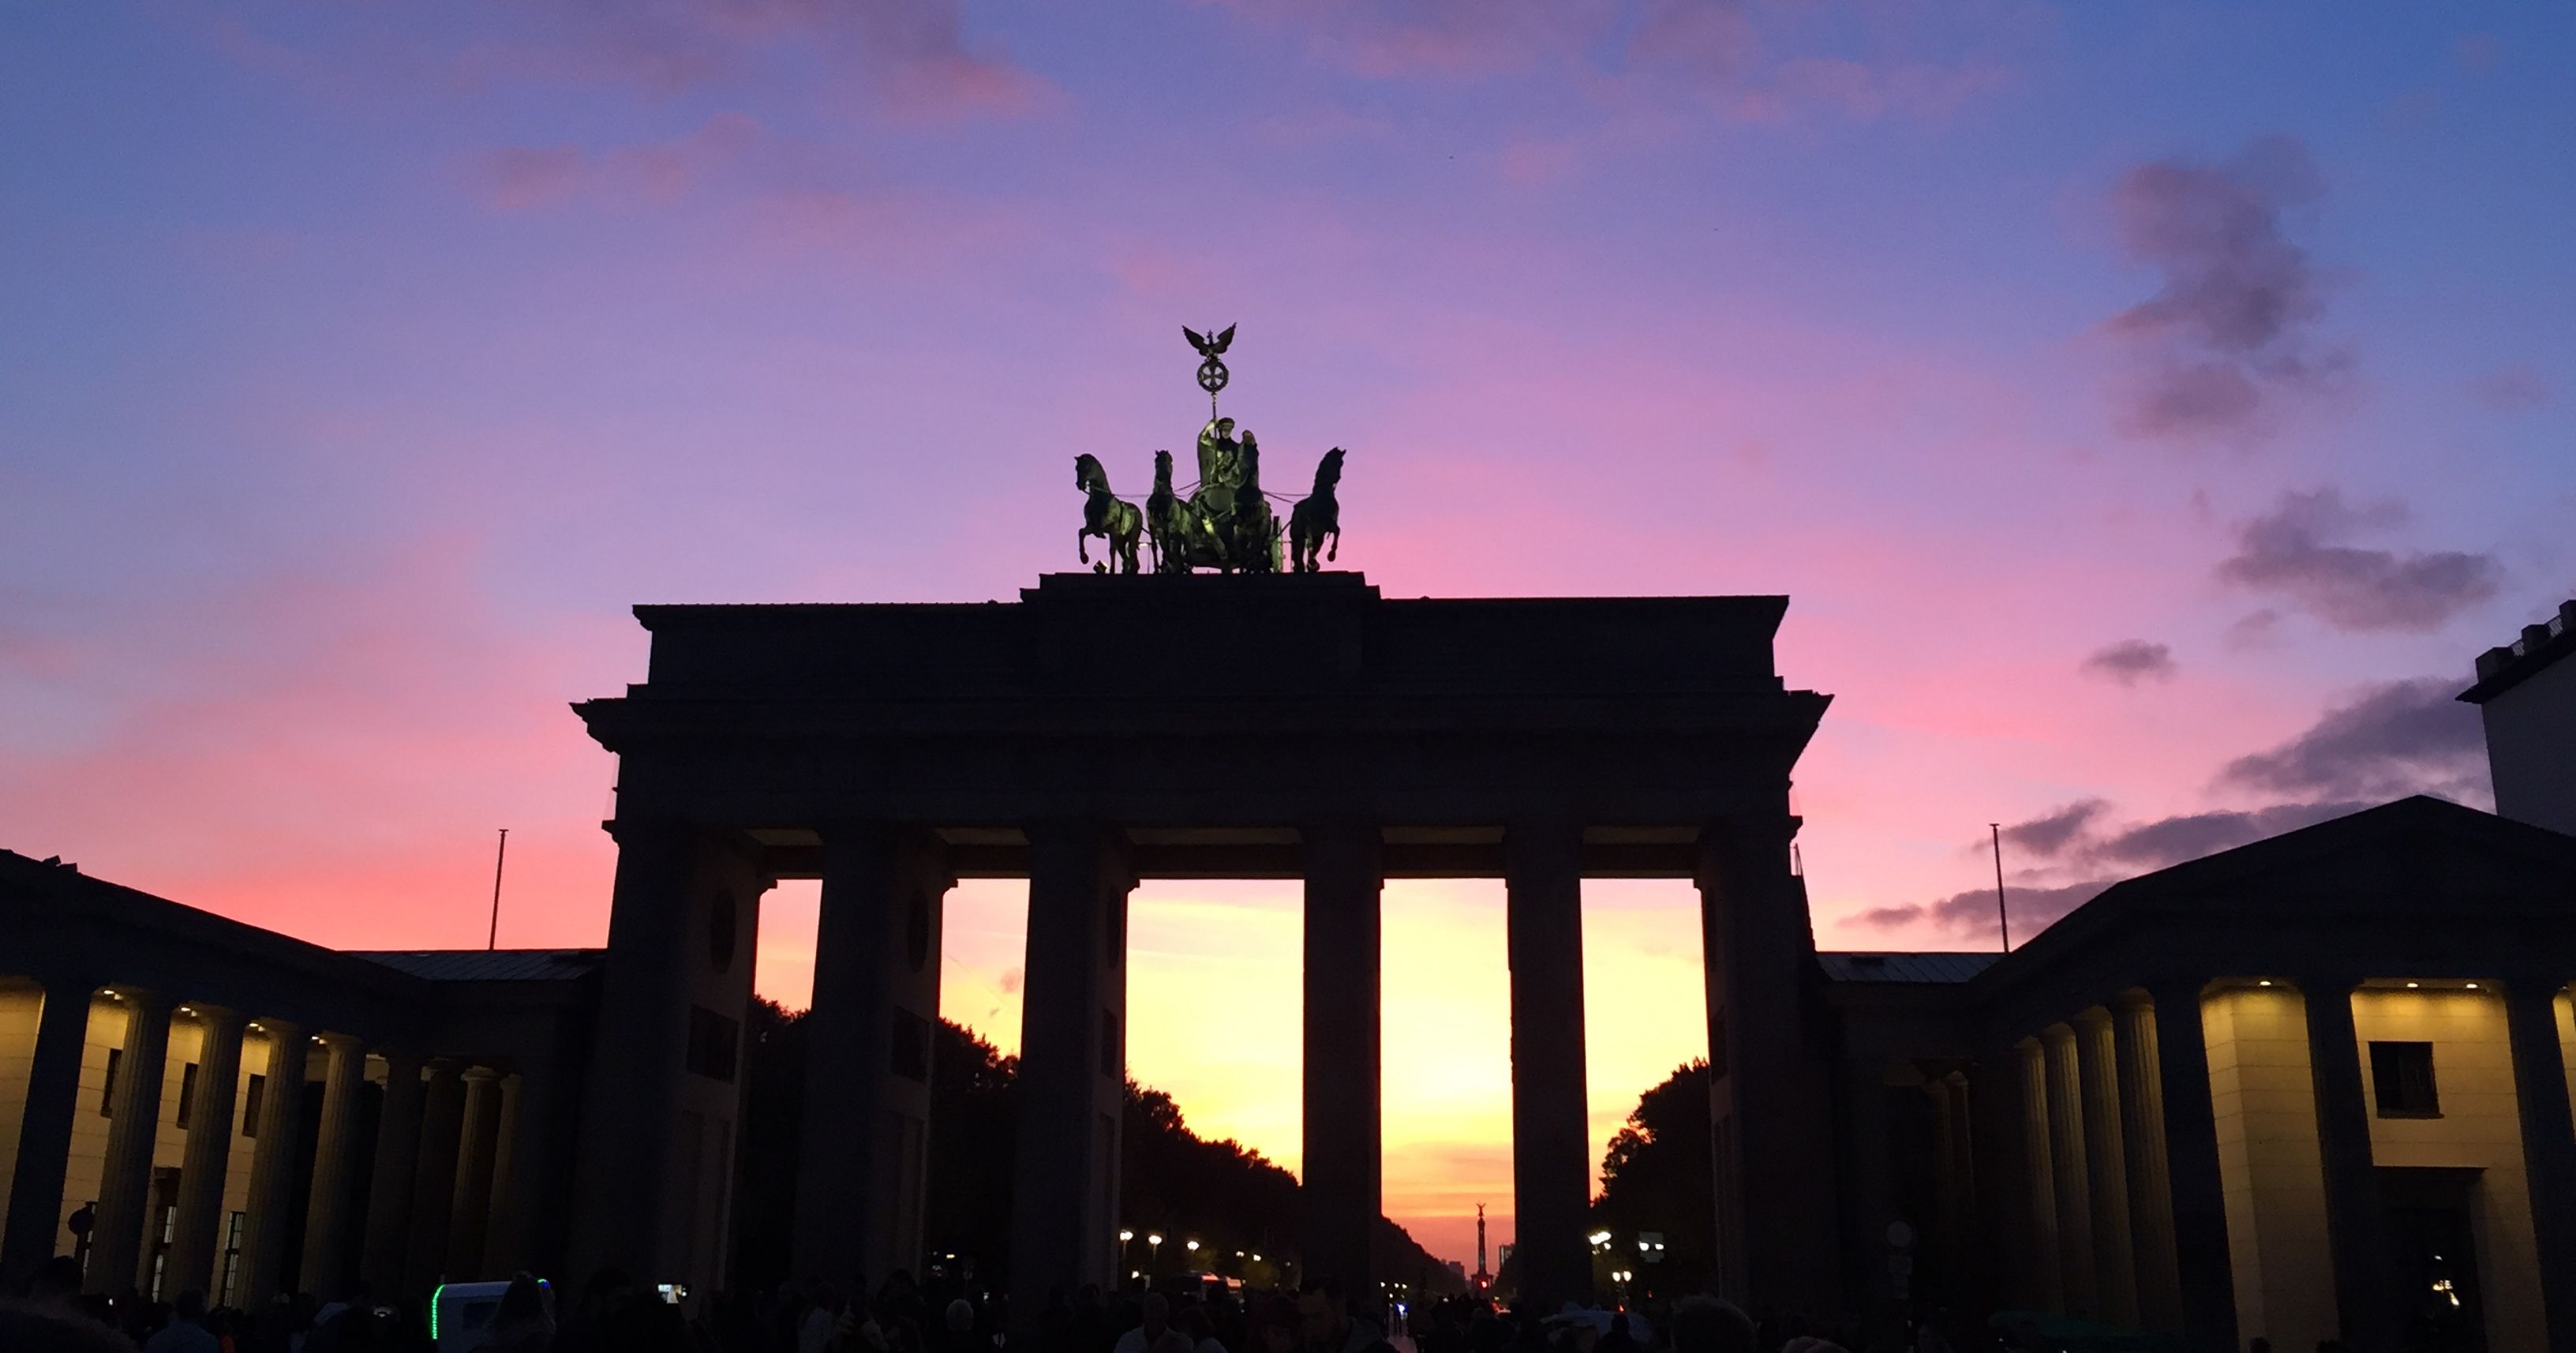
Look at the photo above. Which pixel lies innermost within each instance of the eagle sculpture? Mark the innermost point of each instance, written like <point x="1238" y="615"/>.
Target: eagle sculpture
<point x="1208" y="347"/>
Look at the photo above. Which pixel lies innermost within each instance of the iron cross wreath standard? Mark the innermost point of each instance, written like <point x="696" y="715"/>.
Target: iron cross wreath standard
<point x="1212" y="372"/>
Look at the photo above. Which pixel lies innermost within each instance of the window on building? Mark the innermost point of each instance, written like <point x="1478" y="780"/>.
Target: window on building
<point x="107" y="1096"/>
<point x="713" y="1042"/>
<point x="229" y="1284"/>
<point x="2402" y="1074"/>
<point x="250" y="1104"/>
<point x="187" y="1091"/>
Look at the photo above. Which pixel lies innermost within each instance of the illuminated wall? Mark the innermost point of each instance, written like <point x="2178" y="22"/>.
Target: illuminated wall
<point x="2479" y="1128"/>
<point x="2270" y="1165"/>
<point x="20" y="1004"/>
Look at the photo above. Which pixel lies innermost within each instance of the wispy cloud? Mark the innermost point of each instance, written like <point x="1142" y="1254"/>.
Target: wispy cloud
<point x="2234" y="321"/>
<point x="2131" y="661"/>
<point x="2298" y="551"/>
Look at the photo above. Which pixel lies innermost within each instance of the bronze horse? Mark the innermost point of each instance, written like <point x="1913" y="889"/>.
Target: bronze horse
<point x="1316" y="516"/>
<point x="1106" y="516"/>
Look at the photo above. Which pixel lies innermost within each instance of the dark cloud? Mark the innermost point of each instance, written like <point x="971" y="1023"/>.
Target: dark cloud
<point x="2131" y="661"/>
<point x="2033" y="909"/>
<point x="2188" y="836"/>
<point x="2233" y="321"/>
<point x="2519" y="388"/>
<point x="2256" y="630"/>
<point x="2404" y="737"/>
<point x="2051" y="833"/>
<point x="2296" y="550"/>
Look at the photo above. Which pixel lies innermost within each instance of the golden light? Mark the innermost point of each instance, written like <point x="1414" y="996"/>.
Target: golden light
<point x="1125" y="1236"/>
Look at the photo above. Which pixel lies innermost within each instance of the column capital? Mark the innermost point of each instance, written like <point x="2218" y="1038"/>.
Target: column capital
<point x="479" y="1072"/>
<point x="278" y="1029"/>
<point x="140" y="1000"/>
<point x="2533" y="984"/>
<point x="215" y="1017"/>
<point x="2091" y="1017"/>
<point x="2135" y="1001"/>
<point x="2323" y="983"/>
<point x="2060" y="1032"/>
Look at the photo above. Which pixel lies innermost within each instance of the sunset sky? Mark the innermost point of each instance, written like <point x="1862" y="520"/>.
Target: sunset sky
<point x="2150" y="410"/>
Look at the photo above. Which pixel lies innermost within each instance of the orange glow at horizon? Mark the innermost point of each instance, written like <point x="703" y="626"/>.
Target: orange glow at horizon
<point x="1215" y="1016"/>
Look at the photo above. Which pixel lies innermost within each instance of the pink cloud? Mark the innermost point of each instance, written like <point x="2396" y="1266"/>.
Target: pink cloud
<point x="519" y="178"/>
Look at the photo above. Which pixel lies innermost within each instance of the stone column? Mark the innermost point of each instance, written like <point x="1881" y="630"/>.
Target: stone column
<point x="2142" y="1136"/>
<point x="1869" y="1191"/>
<point x="433" y="1179"/>
<point x="134" y="1122"/>
<point x="1770" y="1096"/>
<point x="664" y="1080"/>
<point x="1966" y="1262"/>
<point x="863" y="1173"/>
<point x="332" y="1209"/>
<point x="2548" y="1147"/>
<point x="2356" y="1216"/>
<point x="389" y="1189"/>
<point x="191" y="1260"/>
<point x="2203" y="1271"/>
<point x="515" y="1158"/>
<point x="273" y="1165"/>
<point x="1551" y="1139"/>
<point x="1341" y="1196"/>
<point x="35" y="1225"/>
<point x="2072" y="1181"/>
<point x="2002" y="1261"/>
<point x="478" y="1150"/>
<point x="1073" y="1065"/>
<point x="2046" y="1277"/>
<point x="2106" y="1162"/>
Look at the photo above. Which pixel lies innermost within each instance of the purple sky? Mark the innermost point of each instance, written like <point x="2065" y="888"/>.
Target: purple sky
<point x="2150" y="409"/>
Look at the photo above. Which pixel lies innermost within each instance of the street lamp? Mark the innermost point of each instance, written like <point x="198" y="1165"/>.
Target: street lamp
<point x="1600" y="1237"/>
<point x="1154" y="1249"/>
<point x="1194" y="1250"/>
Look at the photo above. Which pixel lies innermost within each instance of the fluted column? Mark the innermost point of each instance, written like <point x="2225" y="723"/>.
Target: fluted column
<point x="2142" y="1135"/>
<point x="2356" y="1216"/>
<point x="1968" y="1248"/>
<point x="2202" y="1269"/>
<point x="2072" y="1183"/>
<point x="2106" y="1168"/>
<point x="2046" y="1265"/>
<point x="1551" y="1139"/>
<point x="470" y="1208"/>
<point x="125" y="1178"/>
<point x="389" y="1189"/>
<point x="45" y="1131"/>
<point x="433" y="1179"/>
<point x="191" y="1260"/>
<point x="330" y="1212"/>
<point x="1770" y="1086"/>
<point x="2548" y="1146"/>
<point x="1340" y="1197"/>
<point x="861" y="1183"/>
<point x="1064" y="1214"/>
<point x="273" y="1164"/>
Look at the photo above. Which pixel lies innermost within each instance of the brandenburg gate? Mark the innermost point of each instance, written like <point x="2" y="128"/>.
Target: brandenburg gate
<point x="1136" y="723"/>
<point x="1084" y="738"/>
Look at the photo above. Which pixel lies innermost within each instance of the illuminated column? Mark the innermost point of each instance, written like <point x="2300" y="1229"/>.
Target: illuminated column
<point x="2072" y="1182"/>
<point x="273" y="1164"/>
<point x="390" y="1184"/>
<point x="1341" y="1193"/>
<point x="191" y="1260"/>
<point x="2047" y="1266"/>
<point x="1073" y="1065"/>
<point x="2548" y="1146"/>
<point x="2356" y="1217"/>
<point x="45" y="1130"/>
<point x="2142" y="1135"/>
<point x="862" y="1176"/>
<point x="479" y="1144"/>
<point x="1770" y="1090"/>
<point x="125" y="1179"/>
<point x="2106" y="1168"/>
<point x="1551" y="1139"/>
<point x="433" y="1179"/>
<point x="329" y="1213"/>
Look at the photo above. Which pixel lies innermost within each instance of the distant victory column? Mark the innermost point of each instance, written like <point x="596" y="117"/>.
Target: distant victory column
<point x="1483" y="1279"/>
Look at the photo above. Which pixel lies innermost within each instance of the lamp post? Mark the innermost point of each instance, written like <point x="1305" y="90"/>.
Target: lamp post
<point x="1194" y="1254"/>
<point x="1154" y="1252"/>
